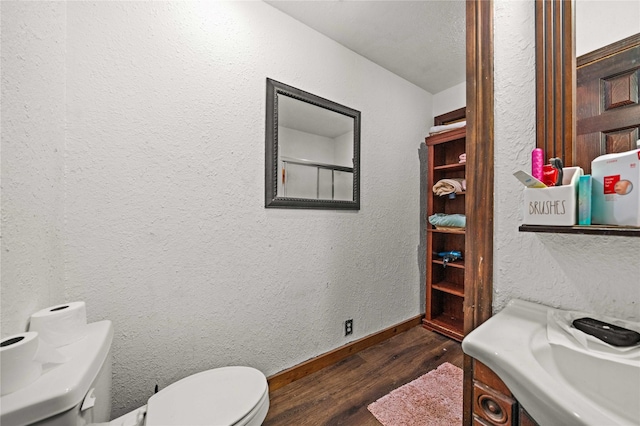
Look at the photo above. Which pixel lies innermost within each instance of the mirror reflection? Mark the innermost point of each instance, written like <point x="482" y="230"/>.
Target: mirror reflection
<point x="607" y="117"/>
<point x="315" y="151"/>
<point x="600" y="23"/>
<point x="312" y="150"/>
<point x="587" y="110"/>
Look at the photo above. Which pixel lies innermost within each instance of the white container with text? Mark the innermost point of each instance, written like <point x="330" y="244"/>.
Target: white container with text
<point x="554" y="205"/>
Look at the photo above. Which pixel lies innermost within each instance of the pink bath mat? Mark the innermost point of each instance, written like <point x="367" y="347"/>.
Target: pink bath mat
<point x="434" y="399"/>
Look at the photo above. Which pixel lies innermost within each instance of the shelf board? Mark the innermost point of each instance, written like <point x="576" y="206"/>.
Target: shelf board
<point x="456" y="264"/>
<point x="446" y="231"/>
<point x="446" y="198"/>
<point x="449" y="287"/>
<point x="444" y="324"/>
<point x="623" y="231"/>
<point x="453" y="166"/>
<point x="451" y="135"/>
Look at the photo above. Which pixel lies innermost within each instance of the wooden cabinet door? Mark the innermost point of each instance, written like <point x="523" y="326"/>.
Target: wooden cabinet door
<point x="607" y="106"/>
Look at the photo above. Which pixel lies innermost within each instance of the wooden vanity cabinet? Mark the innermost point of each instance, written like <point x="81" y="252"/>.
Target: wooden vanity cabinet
<point x="493" y="403"/>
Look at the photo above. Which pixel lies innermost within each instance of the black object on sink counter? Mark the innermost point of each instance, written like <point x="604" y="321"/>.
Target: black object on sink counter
<point x="609" y="333"/>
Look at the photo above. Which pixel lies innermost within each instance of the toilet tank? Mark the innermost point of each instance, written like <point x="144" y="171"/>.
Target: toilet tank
<point x="77" y="392"/>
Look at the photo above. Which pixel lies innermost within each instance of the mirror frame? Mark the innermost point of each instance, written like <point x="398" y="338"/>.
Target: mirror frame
<point x="275" y="88"/>
<point x="555" y="78"/>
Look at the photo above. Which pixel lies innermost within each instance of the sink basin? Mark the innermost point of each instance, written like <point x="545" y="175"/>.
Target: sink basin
<point x="565" y="383"/>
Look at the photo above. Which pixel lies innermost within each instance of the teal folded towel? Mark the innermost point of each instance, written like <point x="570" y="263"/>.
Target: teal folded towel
<point x="448" y="220"/>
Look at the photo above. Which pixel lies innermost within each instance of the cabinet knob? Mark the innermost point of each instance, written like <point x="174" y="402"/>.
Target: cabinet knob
<point x="492" y="409"/>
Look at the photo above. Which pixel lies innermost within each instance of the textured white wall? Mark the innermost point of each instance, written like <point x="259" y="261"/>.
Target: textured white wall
<point x="591" y="273"/>
<point x="450" y="99"/>
<point x="165" y="229"/>
<point x="32" y="133"/>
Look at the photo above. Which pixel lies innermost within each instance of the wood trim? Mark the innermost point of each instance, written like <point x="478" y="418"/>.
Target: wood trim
<point x="318" y="363"/>
<point x="480" y="166"/>
<point x="486" y="375"/>
<point x="609" y="50"/>
<point x="450" y="117"/>
<point x="555" y="78"/>
<point x="480" y="179"/>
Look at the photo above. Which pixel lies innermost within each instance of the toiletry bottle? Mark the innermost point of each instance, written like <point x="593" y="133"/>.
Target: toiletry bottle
<point x="549" y="175"/>
<point x="537" y="161"/>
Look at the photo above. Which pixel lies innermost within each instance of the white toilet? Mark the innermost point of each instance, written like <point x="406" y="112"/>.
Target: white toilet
<point x="78" y="392"/>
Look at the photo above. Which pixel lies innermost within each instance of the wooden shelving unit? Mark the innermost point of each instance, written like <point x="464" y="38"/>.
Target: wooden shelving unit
<point x="445" y="283"/>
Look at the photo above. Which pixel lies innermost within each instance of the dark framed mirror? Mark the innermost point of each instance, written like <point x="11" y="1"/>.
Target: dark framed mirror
<point x="312" y="151"/>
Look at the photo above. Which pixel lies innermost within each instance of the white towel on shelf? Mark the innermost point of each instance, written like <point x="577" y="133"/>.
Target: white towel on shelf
<point x="446" y="127"/>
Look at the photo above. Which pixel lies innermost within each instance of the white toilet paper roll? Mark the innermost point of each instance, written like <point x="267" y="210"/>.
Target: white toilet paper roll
<point x="22" y="357"/>
<point x="17" y="365"/>
<point x="62" y="324"/>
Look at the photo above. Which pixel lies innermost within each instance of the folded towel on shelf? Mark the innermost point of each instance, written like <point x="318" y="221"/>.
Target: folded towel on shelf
<point x="449" y="186"/>
<point x="463" y="158"/>
<point x="441" y="220"/>
<point x="447" y="127"/>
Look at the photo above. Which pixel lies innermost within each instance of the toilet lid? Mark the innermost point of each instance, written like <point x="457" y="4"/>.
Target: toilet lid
<point x="221" y="396"/>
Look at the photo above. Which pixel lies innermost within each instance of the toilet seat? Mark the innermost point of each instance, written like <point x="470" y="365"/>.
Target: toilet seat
<point x="222" y="396"/>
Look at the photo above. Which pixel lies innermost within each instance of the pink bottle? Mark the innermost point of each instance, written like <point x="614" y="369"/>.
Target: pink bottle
<point x="537" y="162"/>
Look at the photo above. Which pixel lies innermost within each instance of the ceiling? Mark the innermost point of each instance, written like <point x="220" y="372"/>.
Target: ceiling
<point x="421" y="41"/>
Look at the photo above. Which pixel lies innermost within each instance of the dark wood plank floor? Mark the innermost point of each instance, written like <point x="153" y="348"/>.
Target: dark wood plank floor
<point x="339" y="394"/>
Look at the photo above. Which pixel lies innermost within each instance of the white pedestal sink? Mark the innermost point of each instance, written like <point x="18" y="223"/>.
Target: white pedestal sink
<point x="558" y="383"/>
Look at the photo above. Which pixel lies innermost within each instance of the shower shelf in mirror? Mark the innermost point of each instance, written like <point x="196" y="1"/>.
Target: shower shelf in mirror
<point x="303" y="162"/>
<point x="588" y="230"/>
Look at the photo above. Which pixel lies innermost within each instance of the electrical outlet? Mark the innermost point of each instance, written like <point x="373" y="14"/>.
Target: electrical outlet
<point x="348" y="327"/>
